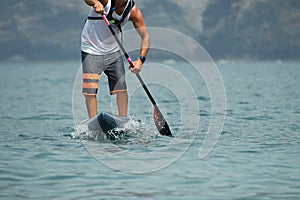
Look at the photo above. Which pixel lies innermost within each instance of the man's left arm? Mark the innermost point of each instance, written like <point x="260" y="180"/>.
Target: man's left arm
<point x="137" y="19"/>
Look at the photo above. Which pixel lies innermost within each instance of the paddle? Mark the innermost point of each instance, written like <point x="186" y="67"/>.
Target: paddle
<point x="159" y="120"/>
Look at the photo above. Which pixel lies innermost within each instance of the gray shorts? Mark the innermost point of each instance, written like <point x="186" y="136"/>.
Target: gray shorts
<point x="93" y="66"/>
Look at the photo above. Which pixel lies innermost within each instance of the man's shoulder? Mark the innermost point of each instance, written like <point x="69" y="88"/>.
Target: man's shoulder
<point x="135" y="13"/>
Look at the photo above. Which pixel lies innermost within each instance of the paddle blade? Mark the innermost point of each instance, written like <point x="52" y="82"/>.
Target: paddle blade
<point x="160" y="122"/>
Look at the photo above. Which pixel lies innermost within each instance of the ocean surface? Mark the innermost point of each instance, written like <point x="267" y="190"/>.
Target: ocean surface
<point x="46" y="154"/>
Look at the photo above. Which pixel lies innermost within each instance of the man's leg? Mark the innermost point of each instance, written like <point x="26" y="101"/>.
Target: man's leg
<point x="122" y="103"/>
<point x="91" y="105"/>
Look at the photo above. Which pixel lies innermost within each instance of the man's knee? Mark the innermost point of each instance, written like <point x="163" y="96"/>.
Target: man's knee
<point x="90" y="97"/>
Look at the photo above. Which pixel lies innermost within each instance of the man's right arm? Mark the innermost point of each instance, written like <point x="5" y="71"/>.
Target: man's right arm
<point x="90" y="2"/>
<point x="97" y="4"/>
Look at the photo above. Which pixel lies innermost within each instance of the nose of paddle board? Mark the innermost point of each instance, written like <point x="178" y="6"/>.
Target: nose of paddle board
<point x="105" y="122"/>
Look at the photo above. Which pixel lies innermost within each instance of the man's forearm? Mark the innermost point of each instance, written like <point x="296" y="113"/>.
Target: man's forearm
<point x="145" y="45"/>
<point x="97" y="4"/>
<point x="91" y="2"/>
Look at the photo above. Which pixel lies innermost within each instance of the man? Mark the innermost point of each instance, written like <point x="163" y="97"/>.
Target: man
<point x="100" y="52"/>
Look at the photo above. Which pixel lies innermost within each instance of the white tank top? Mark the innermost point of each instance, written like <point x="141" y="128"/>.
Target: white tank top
<point x="96" y="38"/>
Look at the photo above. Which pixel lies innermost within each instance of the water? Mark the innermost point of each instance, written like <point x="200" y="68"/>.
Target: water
<point x="256" y="157"/>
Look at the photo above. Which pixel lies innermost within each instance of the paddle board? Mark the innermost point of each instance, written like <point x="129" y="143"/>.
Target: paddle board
<point x="105" y="122"/>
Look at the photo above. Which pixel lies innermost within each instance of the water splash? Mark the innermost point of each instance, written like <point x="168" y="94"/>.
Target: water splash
<point x="132" y="130"/>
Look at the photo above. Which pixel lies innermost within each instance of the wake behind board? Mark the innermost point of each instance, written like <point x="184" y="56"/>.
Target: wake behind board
<point x="105" y="123"/>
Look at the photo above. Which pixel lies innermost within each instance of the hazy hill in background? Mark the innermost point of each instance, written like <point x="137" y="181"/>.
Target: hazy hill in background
<point x="228" y="29"/>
